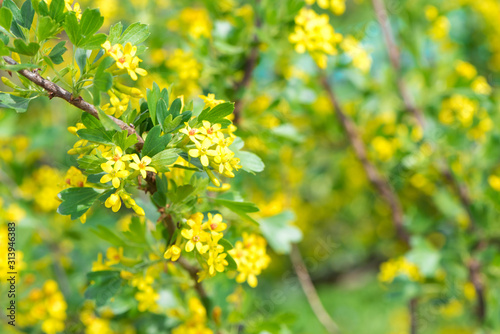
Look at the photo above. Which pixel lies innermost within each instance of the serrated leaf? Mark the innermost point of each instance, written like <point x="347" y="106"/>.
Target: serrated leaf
<point x="231" y="264"/>
<point x="96" y="136"/>
<point x="217" y="113"/>
<point x="90" y="22"/>
<point x="107" y="122"/>
<point x="155" y="143"/>
<point x="91" y="122"/>
<point x="72" y="28"/>
<point x="114" y="33"/>
<point x="19" y="104"/>
<point x="76" y="201"/>
<point x="56" y="53"/>
<point x="105" y="285"/>
<point x="135" y="34"/>
<point x="93" y="42"/>
<point x="21" y="47"/>
<point x="90" y="163"/>
<point x="165" y="158"/>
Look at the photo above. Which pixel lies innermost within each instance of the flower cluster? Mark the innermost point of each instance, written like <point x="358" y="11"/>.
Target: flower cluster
<point x="193" y="21"/>
<point x="117" y="168"/>
<point x="46" y="305"/>
<point x="187" y="71"/>
<point x="313" y="33"/>
<point x="440" y="28"/>
<point x="146" y="294"/>
<point x="466" y="113"/>
<point x="125" y="58"/>
<point x="360" y="58"/>
<point x="393" y="268"/>
<point x="479" y="84"/>
<point x="195" y="321"/>
<point x="336" y="6"/>
<point x="211" y="146"/>
<point x="251" y="257"/>
<point x="203" y="237"/>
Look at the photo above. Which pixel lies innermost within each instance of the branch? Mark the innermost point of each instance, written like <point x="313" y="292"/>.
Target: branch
<point x="377" y="180"/>
<point x="461" y="190"/>
<point x="57" y="91"/>
<point x="310" y="291"/>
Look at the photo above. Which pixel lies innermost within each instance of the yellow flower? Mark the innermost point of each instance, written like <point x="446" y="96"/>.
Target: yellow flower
<point x="173" y="253"/>
<point x="195" y="235"/>
<point x="392" y="268"/>
<point x="481" y="86"/>
<point x="113" y="202"/>
<point x="114" y="256"/>
<point x="125" y="58"/>
<point x="251" y="257"/>
<point x="202" y="151"/>
<point x="114" y="172"/>
<point x="142" y="165"/>
<point x="215" y="223"/>
<point x="116" y="155"/>
<point x="465" y="69"/>
<point x="210" y="100"/>
<point x="314" y="34"/>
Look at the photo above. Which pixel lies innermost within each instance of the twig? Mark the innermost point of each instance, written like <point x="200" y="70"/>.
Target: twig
<point x="57" y="91"/>
<point x="377" y="180"/>
<point x="412" y="306"/>
<point x="461" y="190"/>
<point x="250" y="64"/>
<point x="310" y="292"/>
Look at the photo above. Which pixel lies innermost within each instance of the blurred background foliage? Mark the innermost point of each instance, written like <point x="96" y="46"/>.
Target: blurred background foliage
<point x="365" y="275"/>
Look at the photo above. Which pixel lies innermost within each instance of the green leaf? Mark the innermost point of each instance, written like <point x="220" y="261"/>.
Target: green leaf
<point x="231" y="264"/>
<point x="114" y="33"/>
<point x="240" y="208"/>
<point x="169" y="124"/>
<point x="91" y="122"/>
<point x="161" y="111"/>
<point x="4" y="51"/>
<point x="19" y="104"/>
<point x="5" y="18"/>
<point x="90" y="22"/>
<point x="21" y="47"/>
<point x="57" y="51"/>
<point x="226" y="244"/>
<point x="137" y="232"/>
<point x="76" y="201"/>
<point x="135" y="34"/>
<point x="106" y="121"/>
<point x="72" y="28"/>
<point x="165" y="158"/>
<point x="91" y="163"/>
<point x="106" y="234"/>
<point x="93" y="42"/>
<point x="102" y="80"/>
<point x="175" y="108"/>
<point x="217" y="113"/>
<point x="279" y="233"/>
<point x="153" y="95"/>
<point x="27" y="13"/>
<point x="155" y="143"/>
<point x="105" y="284"/>
<point x="96" y="136"/>
<point x="250" y="162"/>
<point x="181" y="193"/>
<point x="47" y="27"/>
<point x="123" y="140"/>
<point x="56" y="11"/>
<point x="16" y="13"/>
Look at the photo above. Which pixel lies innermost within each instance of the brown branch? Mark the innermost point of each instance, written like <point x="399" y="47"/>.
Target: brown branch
<point x="54" y="90"/>
<point x="412" y="306"/>
<point x="310" y="292"/>
<point x="250" y="64"/>
<point x="374" y="176"/>
<point x="460" y="189"/>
